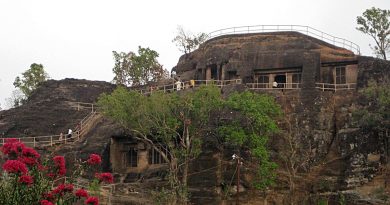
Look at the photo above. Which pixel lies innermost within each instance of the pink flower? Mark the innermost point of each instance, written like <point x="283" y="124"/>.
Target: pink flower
<point x="30" y="152"/>
<point x="94" y="159"/>
<point x="62" y="189"/>
<point x="12" y="146"/>
<point x="81" y="193"/>
<point x="59" y="166"/>
<point x="49" y="196"/>
<point x="30" y="161"/>
<point x="26" y="179"/>
<point x="46" y="202"/>
<point x="105" y="177"/>
<point x="92" y="201"/>
<point x="15" y="166"/>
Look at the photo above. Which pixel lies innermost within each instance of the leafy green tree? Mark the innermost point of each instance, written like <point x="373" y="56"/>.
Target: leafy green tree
<point x="376" y="23"/>
<point x="122" y="67"/>
<point x="138" y="69"/>
<point x="253" y="123"/>
<point x="31" y="79"/>
<point x="186" y="41"/>
<point x="375" y="114"/>
<point x="172" y="124"/>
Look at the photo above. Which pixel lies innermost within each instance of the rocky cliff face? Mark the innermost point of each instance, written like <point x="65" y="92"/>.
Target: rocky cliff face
<point x="332" y="156"/>
<point x="247" y="52"/>
<point x="48" y="111"/>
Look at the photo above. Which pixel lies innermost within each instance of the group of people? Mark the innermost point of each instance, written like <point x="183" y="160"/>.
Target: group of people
<point x="180" y="85"/>
<point x="69" y="135"/>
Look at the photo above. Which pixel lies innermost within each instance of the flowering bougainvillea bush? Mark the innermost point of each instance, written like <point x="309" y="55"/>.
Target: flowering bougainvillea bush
<point x="27" y="179"/>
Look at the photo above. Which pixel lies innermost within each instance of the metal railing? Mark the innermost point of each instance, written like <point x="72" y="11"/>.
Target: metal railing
<point x="82" y="105"/>
<point x="335" y="87"/>
<point x="51" y="140"/>
<point x="188" y="84"/>
<point x="266" y="86"/>
<point x="336" y="41"/>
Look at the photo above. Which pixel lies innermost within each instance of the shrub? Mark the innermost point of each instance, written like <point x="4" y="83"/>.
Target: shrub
<point x="28" y="179"/>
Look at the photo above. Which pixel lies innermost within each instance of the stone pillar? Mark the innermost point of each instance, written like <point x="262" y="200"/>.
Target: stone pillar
<point x="208" y="73"/>
<point x="142" y="160"/>
<point x="310" y="69"/>
<point x="223" y="70"/>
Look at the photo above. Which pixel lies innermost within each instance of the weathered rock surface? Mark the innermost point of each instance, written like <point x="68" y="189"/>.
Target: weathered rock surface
<point x="339" y="160"/>
<point x="48" y="111"/>
<point x="244" y="53"/>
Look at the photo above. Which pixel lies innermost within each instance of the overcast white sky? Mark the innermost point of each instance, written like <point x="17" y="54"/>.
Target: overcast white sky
<point x="75" y="38"/>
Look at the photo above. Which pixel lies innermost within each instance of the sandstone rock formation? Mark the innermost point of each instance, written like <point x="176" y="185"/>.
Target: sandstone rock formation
<point x="336" y="158"/>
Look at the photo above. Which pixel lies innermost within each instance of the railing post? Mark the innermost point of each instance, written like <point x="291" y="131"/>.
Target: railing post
<point x="92" y="107"/>
<point x="51" y="141"/>
<point x="3" y="140"/>
<point x="34" y="142"/>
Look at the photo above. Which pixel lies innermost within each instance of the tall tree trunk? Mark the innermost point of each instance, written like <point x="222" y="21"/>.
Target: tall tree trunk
<point x="185" y="173"/>
<point x="187" y="156"/>
<point x="173" y="179"/>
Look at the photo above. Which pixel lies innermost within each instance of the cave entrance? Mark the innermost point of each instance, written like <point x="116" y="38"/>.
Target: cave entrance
<point x="281" y="80"/>
<point x="214" y="72"/>
<point x="231" y="75"/>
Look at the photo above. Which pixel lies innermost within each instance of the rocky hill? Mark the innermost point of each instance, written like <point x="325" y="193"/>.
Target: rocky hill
<point x="49" y="110"/>
<point x="334" y="158"/>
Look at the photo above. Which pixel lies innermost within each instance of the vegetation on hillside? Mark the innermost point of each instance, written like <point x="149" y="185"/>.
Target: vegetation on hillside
<point x="27" y="83"/>
<point x="28" y="178"/>
<point x="133" y="69"/>
<point x="375" y="115"/>
<point x="375" y="22"/>
<point x="174" y="124"/>
<point x="187" y="41"/>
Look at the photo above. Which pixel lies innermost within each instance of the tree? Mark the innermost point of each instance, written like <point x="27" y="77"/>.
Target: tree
<point x="186" y="41"/>
<point x="17" y="98"/>
<point x="172" y="124"/>
<point x="376" y="23"/>
<point x="122" y="67"/>
<point x="374" y="115"/>
<point x="138" y="69"/>
<point x="296" y="151"/>
<point x="31" y="79"/>
<point x="249" y="130"/>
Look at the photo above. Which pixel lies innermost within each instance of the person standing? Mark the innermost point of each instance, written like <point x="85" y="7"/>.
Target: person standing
<point x="69" y="133"/>
<point x="275" y="84"/>
<point x="178" y="85"/>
